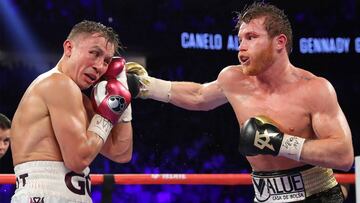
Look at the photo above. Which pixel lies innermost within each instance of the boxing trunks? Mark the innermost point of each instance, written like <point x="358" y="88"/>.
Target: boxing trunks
<point x="303" y="184"/>
<point x="50" y="182"/>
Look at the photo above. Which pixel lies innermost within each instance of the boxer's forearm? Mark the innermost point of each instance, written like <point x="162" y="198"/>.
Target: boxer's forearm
<point x="119" y="145"/>
<point x="81" y="151"/>
<point x="332" y="153"/>
<point x="187" y="95"/>
<point x="195" y="96"/>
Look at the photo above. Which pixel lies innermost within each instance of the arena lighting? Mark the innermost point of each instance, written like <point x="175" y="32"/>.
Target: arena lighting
<point x="19" y="34"/>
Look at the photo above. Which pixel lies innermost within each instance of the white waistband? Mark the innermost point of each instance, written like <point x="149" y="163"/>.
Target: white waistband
<point x="51" y="178"/>
<point x="51" y="167"/>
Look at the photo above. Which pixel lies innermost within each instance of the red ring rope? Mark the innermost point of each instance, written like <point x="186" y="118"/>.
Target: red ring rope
<point x="182" y="179"/>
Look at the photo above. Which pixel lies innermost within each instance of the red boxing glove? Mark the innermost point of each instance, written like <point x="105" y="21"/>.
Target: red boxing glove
<point x="110" y="99"/>
<point x="115" y="67"/>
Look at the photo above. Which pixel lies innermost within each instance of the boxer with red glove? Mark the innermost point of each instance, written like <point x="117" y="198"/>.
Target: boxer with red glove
<point x="110" y="99"/>
<point x="117" y="70"/>
<point x="54" y="143"/>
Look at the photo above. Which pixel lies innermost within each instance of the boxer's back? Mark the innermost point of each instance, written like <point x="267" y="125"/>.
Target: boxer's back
<point x="32" y="136"/>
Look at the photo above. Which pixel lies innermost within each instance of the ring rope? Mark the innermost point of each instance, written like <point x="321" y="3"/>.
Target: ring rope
<point x="180" y="179"/>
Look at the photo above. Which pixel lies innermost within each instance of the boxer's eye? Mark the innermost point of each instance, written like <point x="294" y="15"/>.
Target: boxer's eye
<point x="106" y="62"/>
<point x="95" y="53"/>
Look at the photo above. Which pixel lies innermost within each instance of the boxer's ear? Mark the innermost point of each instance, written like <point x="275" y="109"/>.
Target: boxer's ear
<point x="280" y="42"/>
<point x="68" y="45"/>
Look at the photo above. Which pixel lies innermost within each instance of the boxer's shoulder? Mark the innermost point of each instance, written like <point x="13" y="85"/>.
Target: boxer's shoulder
<point x="231" y="72"/>
<point x="231" y="69"/>
<point x="305" y="77"/>
<point x="232" y="77"/>
<point x="56" y="80"/>
<point x="54" y="85"/>
<point x="316" y="88"/>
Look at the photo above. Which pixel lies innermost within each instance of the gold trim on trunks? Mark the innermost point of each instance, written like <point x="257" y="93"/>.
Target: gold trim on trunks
<point x="318" y="179"/>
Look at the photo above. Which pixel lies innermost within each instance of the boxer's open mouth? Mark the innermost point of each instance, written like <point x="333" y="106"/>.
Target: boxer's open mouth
<point x="91" y="76"/>
<point x="244" y="60"/>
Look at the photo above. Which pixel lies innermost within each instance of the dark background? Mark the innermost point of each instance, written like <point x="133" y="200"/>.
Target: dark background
<point x="168" y="139"/>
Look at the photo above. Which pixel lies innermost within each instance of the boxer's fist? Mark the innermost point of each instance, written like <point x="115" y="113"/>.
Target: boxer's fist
<point x="141" y="85"/>
<point x="137" y="79"/>
<point x="116" y="66"/>
<point x="259" y="135"/>
<point x="116" y="69"/>
<point x="110" y="99"/>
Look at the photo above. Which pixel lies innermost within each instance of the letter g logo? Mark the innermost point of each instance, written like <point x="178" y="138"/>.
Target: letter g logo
<point x="83" y="182"/>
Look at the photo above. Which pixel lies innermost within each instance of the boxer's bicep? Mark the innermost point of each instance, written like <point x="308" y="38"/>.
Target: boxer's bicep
<point x="328" y="120"/>
<point x="68" y="116"/>
<point x="332" y="146"/>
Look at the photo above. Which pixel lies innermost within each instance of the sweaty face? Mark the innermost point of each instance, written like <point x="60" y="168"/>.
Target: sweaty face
<point x="4" y="141"/>
<point x="90" y="56"/>
<point x="256" y="51"/>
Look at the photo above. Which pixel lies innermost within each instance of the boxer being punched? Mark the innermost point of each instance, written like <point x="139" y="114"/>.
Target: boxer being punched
<point x="57" y="131"/>
<point x="293" y="130"/>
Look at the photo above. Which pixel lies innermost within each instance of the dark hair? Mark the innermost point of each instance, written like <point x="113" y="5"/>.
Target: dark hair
<point x="5" y="123"/>
<point x="276" y="22"/>
<point x="95" y="27"/>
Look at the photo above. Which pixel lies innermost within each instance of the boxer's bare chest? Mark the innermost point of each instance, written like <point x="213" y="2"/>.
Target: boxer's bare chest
<point x="287" y="108"/>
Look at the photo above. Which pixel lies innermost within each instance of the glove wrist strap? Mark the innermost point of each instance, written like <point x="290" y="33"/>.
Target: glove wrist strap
<point x="159" y="89"/>
<point x="100" y="126"/>
<point x="291" y="147"/>
<point x="126" y="115"/>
